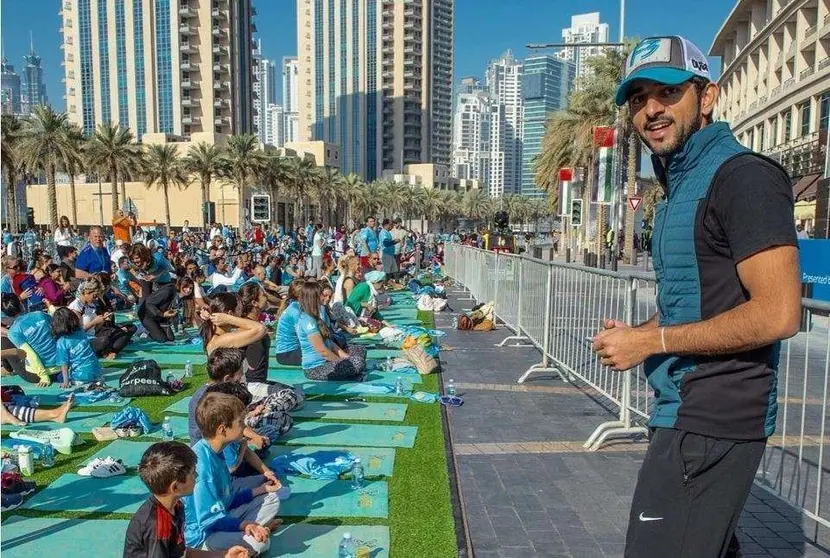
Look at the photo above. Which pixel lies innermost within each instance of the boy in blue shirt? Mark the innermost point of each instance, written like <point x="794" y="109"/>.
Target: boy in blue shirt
<point x="225" y="512"/>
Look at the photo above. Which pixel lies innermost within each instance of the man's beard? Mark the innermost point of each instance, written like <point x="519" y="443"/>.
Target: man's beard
<point x="666" y="149"/>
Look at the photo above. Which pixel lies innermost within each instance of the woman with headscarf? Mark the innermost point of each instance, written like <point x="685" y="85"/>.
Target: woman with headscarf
<point x="363" y="299"/>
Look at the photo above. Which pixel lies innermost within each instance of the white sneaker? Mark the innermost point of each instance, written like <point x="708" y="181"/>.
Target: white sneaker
<point x="108" y="468"/>
<point x="86" y="470"/>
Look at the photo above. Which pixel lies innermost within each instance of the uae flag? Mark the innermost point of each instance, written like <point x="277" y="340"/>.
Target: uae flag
<point x="565" y="180"/>
<point x="604" y="139"/>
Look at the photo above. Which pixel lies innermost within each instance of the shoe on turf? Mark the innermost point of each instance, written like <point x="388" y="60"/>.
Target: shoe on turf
<point x="86" y="470"/>
<point x="13" y="483"/>
<point x="10" y="501"/>
<point x="109" y="467"/>
<point x="61" y="439"/>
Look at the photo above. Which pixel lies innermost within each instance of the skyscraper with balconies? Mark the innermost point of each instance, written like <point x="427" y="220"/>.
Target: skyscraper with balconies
<point x="265" y="92"/>
<point x="585" y="28"/>
<point x="375" y="77"/>
<point x="504" y="83"/>
<point x="34" y="89"/>
<point x="175" y="67"/>
<point x="10" y="88"/>
<point x="291" y="98"/>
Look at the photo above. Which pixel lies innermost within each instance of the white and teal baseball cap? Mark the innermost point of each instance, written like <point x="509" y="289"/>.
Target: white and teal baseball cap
<point x="667" y="60"/>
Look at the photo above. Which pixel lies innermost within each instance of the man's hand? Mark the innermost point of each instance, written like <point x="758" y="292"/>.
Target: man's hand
<point x="237" y="552"/>
<point x="269" y="474"/>
<point x="26" y="294"/>
<point x="258" y="441"/>
<point x="622" y="347"/>
<point x="169" y="313"/>
<point x="44" y="382"/>
<point x="257" y="531"/>
<point x="272" y="485"/>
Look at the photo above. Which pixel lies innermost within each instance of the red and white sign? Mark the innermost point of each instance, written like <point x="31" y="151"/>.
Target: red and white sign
<point x="634" y="202"/>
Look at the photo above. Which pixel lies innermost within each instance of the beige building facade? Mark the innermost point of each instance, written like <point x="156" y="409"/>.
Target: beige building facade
<point x="775" y="77"/>
<point x="176" y="67"/>
<point x="375" y="77"/>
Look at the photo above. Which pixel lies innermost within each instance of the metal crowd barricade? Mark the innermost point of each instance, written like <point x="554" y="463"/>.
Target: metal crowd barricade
<point x="558" y="307"/>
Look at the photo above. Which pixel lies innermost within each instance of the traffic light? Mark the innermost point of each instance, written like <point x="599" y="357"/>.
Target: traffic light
<point x="260" y="208"/>
<point x="576" y="212"/>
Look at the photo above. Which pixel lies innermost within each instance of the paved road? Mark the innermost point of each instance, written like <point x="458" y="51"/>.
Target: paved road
<point x="529" y="487"/>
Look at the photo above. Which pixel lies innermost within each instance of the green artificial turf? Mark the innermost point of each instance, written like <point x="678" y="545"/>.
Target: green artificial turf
<point x="420" y="511"/>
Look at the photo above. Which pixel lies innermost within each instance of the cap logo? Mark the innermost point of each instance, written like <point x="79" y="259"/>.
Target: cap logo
<point x="650" y="51"/>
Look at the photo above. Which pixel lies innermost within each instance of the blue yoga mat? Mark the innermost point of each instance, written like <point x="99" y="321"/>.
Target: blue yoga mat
<point x="78" y="421"/>
<point x="377" y="462"/>
<point x="306" y="540"/>
<point x="342" y="434"/>
<point x="335" y="498"/>
<point x="49" y="396"/>
<point x="126" y="493"/>
<point x="162" y="358"/>
<point x="127" y="451"/>
<point x="24" y="537"/>
<point x="297" y="378"/>
<point x="70" y="492"/>
<point x="334" y="410"/>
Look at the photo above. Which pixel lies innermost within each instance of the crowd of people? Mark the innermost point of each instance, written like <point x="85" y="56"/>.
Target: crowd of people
<point x="310" y="288"/>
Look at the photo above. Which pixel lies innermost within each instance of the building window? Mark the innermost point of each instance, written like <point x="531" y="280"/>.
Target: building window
<point x="824" y="111"/>
<point x="140" y="86"/>
<point x="788" y="125"/>
<point x="774" y="141"/>
<point x="121" y="59"/>
<point x="804" y="115"/>
<point x="761" y="129"/>
<point x="164" y="67"/>
<point x="104" y="61"/>
<point x="87" y="83"/>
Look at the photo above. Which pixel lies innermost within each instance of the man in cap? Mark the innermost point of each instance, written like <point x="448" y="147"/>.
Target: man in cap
<point x="726" y="262"/>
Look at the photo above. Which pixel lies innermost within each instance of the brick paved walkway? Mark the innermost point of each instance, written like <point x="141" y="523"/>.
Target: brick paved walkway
<point x="529" y="487"/>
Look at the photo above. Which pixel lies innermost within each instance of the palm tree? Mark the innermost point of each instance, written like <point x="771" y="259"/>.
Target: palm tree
<point x="163" y="168"/>
<point x="432" y="204"/>
<point x="475" y="204"/>
<point x="45" y="146"/>
<point x="74" y="164"/>
<point x="112" y="148"/>
<point x="205" y="161"/>
<point x="303" y="184"/>
<point x="12" y="164"/>
<point x="243" y="160"/>
<point x="329" y="192"/>
<point x="352" y="194"/>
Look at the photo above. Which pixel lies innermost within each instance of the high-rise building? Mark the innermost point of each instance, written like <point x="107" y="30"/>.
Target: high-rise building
<point x="274" y="125"/>
<point x="176" y="67"/>
<point x="585" y="28"/>
<point x="291" y="97"/>
<point x="376" y="78"/>
<point x="265" y="91"/>
<point x="470" y="85"/>
<point x="471" y="135"/>
<point x="504" y="83"/>
<point x="34" y="88"/>
<point x="10" y="89"/>
<point x="546" y="83"/>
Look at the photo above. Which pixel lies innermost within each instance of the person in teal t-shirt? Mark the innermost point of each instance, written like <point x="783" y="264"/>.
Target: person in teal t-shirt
<point x="76" y="356"/>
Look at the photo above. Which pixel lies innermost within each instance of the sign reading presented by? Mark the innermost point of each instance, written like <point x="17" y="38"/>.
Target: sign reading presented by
<point x="634" y="202"/>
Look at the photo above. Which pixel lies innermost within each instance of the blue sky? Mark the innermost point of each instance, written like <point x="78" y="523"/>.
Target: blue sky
<point x="483" y="28"/>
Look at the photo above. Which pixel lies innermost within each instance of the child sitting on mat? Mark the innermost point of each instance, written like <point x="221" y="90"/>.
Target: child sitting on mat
<point x="225" y="512"/>
<point x="223" y="365"/>
<point x="157" y="528"/>
<point x="75" y="355"/>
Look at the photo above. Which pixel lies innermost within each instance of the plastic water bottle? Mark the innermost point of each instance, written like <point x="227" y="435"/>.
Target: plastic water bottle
<point x="48" y="454"/>
<point x="346" y="549"/>
<point x="135" y="309"/>
<point x="357" y="474"/>
<point x="167" y="430"/>
<point x="115" y="399"/>
<point x="188" y="369"/>
<point x="388" y="364"/>
<point x="24" y="461"/>
<point x="451" y="388"/>
<point x="455" y="322"/>
<point x="399" y="386"/>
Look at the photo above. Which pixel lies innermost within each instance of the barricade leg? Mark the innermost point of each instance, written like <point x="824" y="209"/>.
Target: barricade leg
<point x="621" y="428"/>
